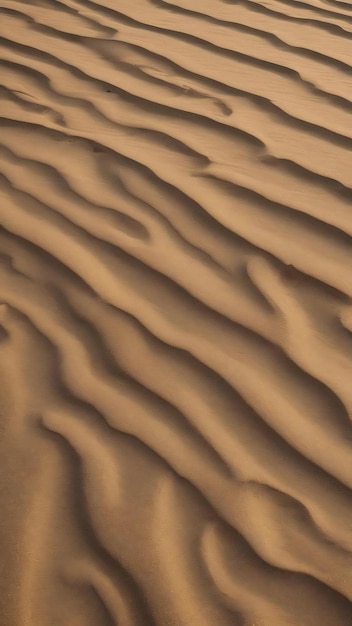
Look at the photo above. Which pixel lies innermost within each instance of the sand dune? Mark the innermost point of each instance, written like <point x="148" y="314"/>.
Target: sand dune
<point x="175" y="312"/>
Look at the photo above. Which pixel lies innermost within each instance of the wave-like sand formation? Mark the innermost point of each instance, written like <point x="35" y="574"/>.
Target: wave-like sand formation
<point x="175" y="317"/>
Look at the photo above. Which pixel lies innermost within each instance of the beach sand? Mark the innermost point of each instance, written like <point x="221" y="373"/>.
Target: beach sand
<point x="175" y="317"/>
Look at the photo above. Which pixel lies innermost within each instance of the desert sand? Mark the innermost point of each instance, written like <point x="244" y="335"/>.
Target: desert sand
<point x="175" y="317"/>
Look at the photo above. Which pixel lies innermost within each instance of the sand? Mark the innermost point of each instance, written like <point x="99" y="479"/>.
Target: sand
<point x="175" y="317"/>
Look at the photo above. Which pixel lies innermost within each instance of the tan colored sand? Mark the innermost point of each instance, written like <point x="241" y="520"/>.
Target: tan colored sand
<point x="175" y="313"/>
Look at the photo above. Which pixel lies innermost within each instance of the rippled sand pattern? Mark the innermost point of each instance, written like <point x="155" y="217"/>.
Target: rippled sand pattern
<point x="175" y="288"/>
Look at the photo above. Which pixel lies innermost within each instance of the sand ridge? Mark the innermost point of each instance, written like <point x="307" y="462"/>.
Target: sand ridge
<point x="175" y="312"/>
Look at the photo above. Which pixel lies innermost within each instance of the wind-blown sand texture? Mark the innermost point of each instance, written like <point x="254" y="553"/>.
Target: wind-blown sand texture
<point x="176" y="264"/>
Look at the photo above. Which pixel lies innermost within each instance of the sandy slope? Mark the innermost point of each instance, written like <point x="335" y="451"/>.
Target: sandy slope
<point x="175" y="288"/>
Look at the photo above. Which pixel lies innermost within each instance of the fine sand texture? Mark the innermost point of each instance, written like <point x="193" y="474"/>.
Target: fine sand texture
<point x="175" y="312"/>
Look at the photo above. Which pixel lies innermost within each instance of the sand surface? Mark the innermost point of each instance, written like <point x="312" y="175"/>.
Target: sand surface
<point x="175" y="317"/>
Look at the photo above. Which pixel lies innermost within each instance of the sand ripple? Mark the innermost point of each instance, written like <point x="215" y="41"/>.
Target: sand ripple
<point x="175" y="312"/>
